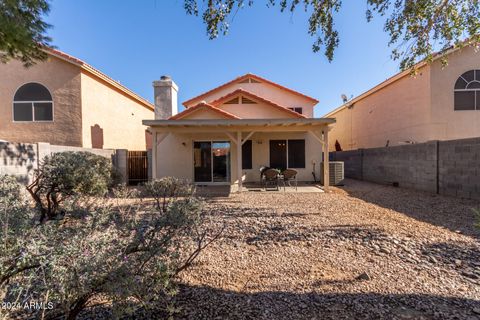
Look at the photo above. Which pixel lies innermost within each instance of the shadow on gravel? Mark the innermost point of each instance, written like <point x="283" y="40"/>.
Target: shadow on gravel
<point x="451" y="213"/>
<point x="213" y="191"/>
<point x="210" y="303"/>
<point x="202" y="303"/>
<point x="464" y="259"/>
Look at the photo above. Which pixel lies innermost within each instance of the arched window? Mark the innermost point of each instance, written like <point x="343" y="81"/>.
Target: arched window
<point x="32" y="102"/>
<point x="467" y="91"/>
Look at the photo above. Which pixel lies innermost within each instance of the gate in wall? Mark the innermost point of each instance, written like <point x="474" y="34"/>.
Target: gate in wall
<point x="137" y="162"/>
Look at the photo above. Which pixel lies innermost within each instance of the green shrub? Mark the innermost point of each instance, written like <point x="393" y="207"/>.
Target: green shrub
<point x="128" y="256"/>
<point x="66" y="174"/>
<point x="16" y="219"/>
<point x="168" y="188"/>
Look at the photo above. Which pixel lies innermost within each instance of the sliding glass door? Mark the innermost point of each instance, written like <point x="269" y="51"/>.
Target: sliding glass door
<point x="211" y="160"/>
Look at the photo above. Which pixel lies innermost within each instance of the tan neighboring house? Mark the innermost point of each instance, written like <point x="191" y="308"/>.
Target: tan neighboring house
<point x="439" y="103"/>
<point x="225" y="135"/>
<point x="65" y="101"/>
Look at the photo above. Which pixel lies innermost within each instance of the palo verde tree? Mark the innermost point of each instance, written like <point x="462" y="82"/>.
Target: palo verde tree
<point x="23" y="30"/>
<point x="416" y="27"/>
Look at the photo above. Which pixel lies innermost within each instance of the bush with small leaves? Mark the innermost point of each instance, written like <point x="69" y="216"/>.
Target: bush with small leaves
<point x="67" y="174"/>
<point x="167" y="189"/>
<point x="16" y="219"/>
<point x="125" y="254"/>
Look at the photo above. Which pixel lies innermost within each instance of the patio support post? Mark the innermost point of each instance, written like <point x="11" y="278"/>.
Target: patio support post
<point x="154" y="156"/>
<point x="156" y="141"/>
<point x="239" y="160"/>
<point x="326" y="163"/>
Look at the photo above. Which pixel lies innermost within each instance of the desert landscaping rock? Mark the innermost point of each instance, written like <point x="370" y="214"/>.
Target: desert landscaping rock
<point x="361" y="252"/>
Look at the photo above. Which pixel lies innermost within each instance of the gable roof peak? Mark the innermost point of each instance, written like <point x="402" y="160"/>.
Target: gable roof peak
<point x="203" y="105"/>
<point x="253" y="96"/>
<point x="243" y="77"/>
<point x="97" y="73"/>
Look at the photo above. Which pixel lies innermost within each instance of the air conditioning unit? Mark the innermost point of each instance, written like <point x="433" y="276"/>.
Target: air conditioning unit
<point x="336" y="173"/>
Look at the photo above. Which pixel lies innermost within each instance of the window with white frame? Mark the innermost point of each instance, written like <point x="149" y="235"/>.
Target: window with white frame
<point x="467" y="91"/>
<point x="32" y="102"/>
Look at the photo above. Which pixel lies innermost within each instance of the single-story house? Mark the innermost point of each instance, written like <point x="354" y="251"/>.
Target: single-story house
<point x="438" y="103"/>
<point x="226" y="134"/>
<point x="65" y="101"/>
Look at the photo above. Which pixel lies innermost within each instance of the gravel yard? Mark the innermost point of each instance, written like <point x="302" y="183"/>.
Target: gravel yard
<point x="363" y="251"/>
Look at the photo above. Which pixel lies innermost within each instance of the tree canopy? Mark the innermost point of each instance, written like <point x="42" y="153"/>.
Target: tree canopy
<point x="416" y="27"/>
<point x="23" y="30"/>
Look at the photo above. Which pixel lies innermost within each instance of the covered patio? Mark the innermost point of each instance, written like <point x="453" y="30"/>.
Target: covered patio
<point x="176" y="153"/>
<point x="226" y="190"/>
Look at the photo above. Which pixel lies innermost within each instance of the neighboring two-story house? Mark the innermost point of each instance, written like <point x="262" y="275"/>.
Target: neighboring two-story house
<point x="65" y="101"/>
<point x="438" y="103"/>
<point x="226" y="134"/>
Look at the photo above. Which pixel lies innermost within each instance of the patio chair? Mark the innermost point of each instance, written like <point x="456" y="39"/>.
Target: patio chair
<point x="289" y="176"/>
<point x="262" y="170"/>
<point x="270" y="177"/>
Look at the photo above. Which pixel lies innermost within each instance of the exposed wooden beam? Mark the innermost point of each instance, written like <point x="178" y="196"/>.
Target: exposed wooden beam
<point x="162" y="137"/>
<point x="318" y="138"/>
<point x="239" y="161"/>
<point x="326" y="162"/>
<point x="247" y="137"/>
<point x="234" y="140"/>
<point x="257" y="129"/>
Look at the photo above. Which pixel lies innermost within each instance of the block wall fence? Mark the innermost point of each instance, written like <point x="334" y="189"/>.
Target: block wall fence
<point x="21" y="159"/>
<point x="444" y="167"/>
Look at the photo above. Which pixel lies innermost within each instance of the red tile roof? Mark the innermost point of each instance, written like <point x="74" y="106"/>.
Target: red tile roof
<point x="200" y="106"/>
<point x="252" y="76"/>
<point x="85" y="66"/>
<point x="253" y="96"/>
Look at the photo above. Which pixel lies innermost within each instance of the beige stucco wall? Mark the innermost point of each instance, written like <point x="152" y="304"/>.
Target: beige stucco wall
<point x="255" y="111"/>
<point x="204" y="113"/>
<point x="417" y="108"/>
<point x="119" y="116"/>
<point x="266" y="91"/>
<point x="453" y="124"/>
<point x="398" y="113"/>
<point x="181" y="145"/>
<point x="63" y="81"/>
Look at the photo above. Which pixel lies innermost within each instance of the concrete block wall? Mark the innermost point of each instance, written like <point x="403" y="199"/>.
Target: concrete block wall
<point x="409" y="166"/>
<point x="459" y="168"/>
<point x="446" y="167"/>
<point x="107" y="153"/>
<point x="352" y="162"/>
<point x="21" y="159"/>
<point x="18" y="159"/>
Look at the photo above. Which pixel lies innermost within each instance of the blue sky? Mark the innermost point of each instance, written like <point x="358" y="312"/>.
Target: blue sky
<point x="135" y="42"/>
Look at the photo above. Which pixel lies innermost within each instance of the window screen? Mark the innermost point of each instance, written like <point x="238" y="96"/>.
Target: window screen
<point x="247" y="155"/>
<point x="22" y="111"/>
<point x="296" y="153"/>
<point x="43" y="111"/>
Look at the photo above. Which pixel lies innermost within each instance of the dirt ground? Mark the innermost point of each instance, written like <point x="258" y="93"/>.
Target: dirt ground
<point x="362" y="251"/>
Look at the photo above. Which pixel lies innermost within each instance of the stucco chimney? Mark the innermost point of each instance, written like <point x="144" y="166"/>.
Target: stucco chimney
<point x="165" y="93"/>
